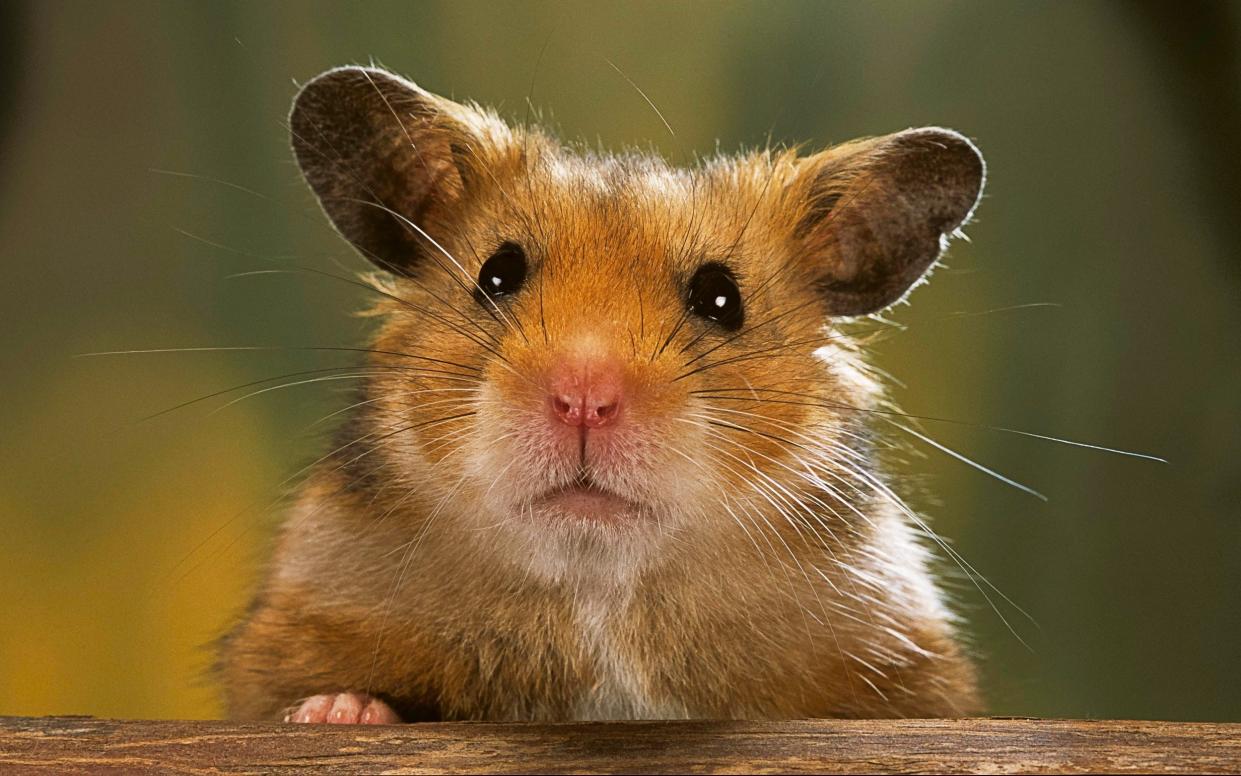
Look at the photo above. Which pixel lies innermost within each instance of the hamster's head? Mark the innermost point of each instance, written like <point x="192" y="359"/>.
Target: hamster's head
<point x="584" y="354"/>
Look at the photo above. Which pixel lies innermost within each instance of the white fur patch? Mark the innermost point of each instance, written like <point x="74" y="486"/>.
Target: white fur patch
<point x="620" y="691"/>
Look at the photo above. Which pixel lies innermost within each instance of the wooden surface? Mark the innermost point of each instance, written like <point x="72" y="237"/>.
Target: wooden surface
<point x="83" y="744"/>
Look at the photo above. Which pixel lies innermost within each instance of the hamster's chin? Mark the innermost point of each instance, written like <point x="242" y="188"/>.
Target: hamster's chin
<point x="583" y="533"/>
<point x="586" y="503"/>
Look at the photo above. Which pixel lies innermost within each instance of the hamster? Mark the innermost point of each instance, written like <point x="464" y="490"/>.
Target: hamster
<point x="611" y="456"/>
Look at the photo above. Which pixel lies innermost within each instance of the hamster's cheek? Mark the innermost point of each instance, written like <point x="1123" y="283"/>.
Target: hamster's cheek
<point x="512" y="455"/>
<point x="653" y="460"/>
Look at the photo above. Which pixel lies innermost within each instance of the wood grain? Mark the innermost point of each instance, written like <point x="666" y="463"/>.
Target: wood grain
<point x="83" y="744"/>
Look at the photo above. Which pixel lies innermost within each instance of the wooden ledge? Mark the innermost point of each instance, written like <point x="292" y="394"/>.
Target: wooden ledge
<point x="85" y="744"/>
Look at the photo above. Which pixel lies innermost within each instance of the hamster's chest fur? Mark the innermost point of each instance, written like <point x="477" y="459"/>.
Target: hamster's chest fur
<point x="464" y="638"/>
<point x="620" y="689"/>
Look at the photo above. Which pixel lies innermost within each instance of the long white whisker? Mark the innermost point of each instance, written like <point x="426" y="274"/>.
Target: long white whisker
<point x="944" y="449"/>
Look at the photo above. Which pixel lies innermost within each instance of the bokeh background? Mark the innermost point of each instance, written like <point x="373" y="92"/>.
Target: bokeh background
<point x="143" y="162"/>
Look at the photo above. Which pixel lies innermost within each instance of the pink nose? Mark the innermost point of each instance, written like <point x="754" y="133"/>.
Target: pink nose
<point x="586" y="392"/>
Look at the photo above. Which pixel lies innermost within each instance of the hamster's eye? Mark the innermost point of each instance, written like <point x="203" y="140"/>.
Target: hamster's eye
<point x="713" y="294"/>
<point x="503" y="273"/>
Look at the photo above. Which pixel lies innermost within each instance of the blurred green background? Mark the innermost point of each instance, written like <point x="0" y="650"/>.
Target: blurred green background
<point x="1111" y="131"/>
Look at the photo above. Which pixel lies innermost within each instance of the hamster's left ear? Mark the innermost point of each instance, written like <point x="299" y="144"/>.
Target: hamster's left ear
<point x="875" y="214"/>
<point x="392" y="164"/>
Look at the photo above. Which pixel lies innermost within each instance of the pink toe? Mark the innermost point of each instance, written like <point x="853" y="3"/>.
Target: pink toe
<point x="347" y="710"/>
<point x="379" y="713"/>
<point x="314" y="709"/>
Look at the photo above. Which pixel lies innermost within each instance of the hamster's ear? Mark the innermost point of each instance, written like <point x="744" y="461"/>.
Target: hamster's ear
<point x="386" y="159"/>
<point x="875" y="214"/>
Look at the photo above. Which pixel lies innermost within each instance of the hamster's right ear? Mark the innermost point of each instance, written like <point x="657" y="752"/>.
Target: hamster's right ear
<point x="877" y="214"/>
<point x="388" y="161"/>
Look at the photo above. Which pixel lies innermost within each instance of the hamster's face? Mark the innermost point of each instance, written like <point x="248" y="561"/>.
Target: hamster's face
<point x="621" y="323"/>
<point x="591" y="355"/>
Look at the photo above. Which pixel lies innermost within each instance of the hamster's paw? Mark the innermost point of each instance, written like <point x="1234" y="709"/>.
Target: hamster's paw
<point x="346" y="708"/>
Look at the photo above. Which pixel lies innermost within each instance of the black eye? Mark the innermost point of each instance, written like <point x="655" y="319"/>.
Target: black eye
<point x="503" y="273"/>
<point x="713" y="294"/>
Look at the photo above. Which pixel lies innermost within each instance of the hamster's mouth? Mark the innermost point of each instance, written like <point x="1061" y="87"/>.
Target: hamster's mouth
<point x="585" y="500"/>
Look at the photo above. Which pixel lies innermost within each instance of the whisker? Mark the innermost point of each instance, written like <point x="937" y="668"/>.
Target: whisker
<point x="751" y="355"/>
<point x="648" y="101"/>
<point x="356" y="372"/>
<point x="269" y="348"/>
<point x="749" y="330"/>
<point x="486" y="345"/>
<point x="294" y="269"/>
<point x="818" y="401"/>
<point x="969" y="461"/>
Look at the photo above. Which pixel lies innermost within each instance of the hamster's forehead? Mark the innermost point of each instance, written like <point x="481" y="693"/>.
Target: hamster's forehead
<point x="633" y="216"/>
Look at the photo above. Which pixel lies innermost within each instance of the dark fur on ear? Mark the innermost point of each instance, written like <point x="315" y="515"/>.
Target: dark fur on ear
<point x="879" y="212"/>
<point x="385" y="158"/>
